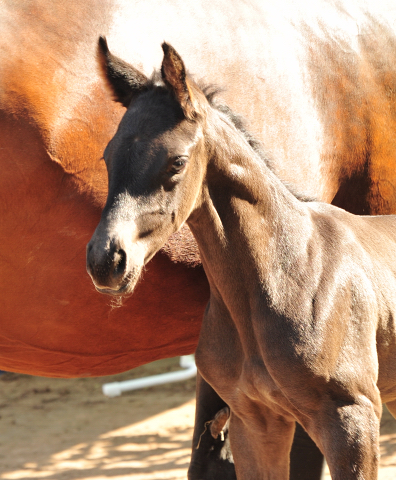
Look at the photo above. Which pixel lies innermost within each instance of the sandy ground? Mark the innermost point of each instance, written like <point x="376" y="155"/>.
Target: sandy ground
<point x="68" y="430"/>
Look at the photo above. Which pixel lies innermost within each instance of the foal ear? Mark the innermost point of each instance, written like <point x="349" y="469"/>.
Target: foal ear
<point x="174" y="75"/>
<point x="124" y="80"/>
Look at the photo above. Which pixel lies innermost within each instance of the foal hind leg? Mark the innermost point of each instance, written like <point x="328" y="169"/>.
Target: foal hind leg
<point x="260" y="443"/>
<point x="348" y="434"/>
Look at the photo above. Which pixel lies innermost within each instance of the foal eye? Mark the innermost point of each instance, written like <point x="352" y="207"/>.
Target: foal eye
<point x="178" y="164"/>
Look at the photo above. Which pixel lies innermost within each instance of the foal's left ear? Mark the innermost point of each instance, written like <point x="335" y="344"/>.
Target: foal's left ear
<point x="175" y="77"/>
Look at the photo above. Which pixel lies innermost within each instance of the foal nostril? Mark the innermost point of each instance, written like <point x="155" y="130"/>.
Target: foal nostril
<point x="119" y="262"/>
<point x="107" y="263"/>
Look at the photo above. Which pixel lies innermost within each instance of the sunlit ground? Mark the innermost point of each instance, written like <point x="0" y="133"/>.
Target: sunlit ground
<point x="56" y="429"/>
<point x="140" y="451"/>
<point x="60" y="429"/>
<point x="144" y="451"/>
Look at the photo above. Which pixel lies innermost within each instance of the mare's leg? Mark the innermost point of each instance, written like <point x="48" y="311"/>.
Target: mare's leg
<point x="210" y="457"/>
<point x="348" y="433"/>
<point x="306" y="460"/>
<point x="261" y="443"/>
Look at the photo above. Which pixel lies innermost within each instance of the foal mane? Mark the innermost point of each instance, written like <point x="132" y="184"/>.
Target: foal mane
<point x="238" y="121"/>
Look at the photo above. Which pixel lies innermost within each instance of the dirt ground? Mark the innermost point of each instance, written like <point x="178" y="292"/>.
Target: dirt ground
<point x="60" y="429"/>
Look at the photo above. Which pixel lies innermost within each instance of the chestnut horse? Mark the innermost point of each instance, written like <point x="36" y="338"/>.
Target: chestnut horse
<point x="301" y="321"/>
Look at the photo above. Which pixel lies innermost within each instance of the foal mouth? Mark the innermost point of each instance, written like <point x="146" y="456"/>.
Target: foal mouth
<point x="126" y="287"/>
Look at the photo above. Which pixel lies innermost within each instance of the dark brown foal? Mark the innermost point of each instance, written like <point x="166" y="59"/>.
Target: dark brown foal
<point x="301" y="319"/>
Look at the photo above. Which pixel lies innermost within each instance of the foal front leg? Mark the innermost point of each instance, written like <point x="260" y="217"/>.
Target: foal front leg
<point x="348" y="434"/>
<point x="261" y="443"/>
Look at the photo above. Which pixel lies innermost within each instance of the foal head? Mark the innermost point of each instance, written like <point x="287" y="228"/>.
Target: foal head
<point x="155" y="164"/>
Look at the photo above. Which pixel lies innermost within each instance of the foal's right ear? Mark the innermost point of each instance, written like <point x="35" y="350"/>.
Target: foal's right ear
<point x="124" y="80"/>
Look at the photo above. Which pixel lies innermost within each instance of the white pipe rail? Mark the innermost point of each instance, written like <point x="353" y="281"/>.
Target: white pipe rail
<point x="187" y="363"/>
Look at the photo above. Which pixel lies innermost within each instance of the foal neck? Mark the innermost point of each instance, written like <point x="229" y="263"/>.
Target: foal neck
<point x="248" y="220"/>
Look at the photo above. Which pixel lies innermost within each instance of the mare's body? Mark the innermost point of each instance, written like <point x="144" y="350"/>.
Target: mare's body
<point x="300" y="325"/>
<point x="56" y="118"/>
